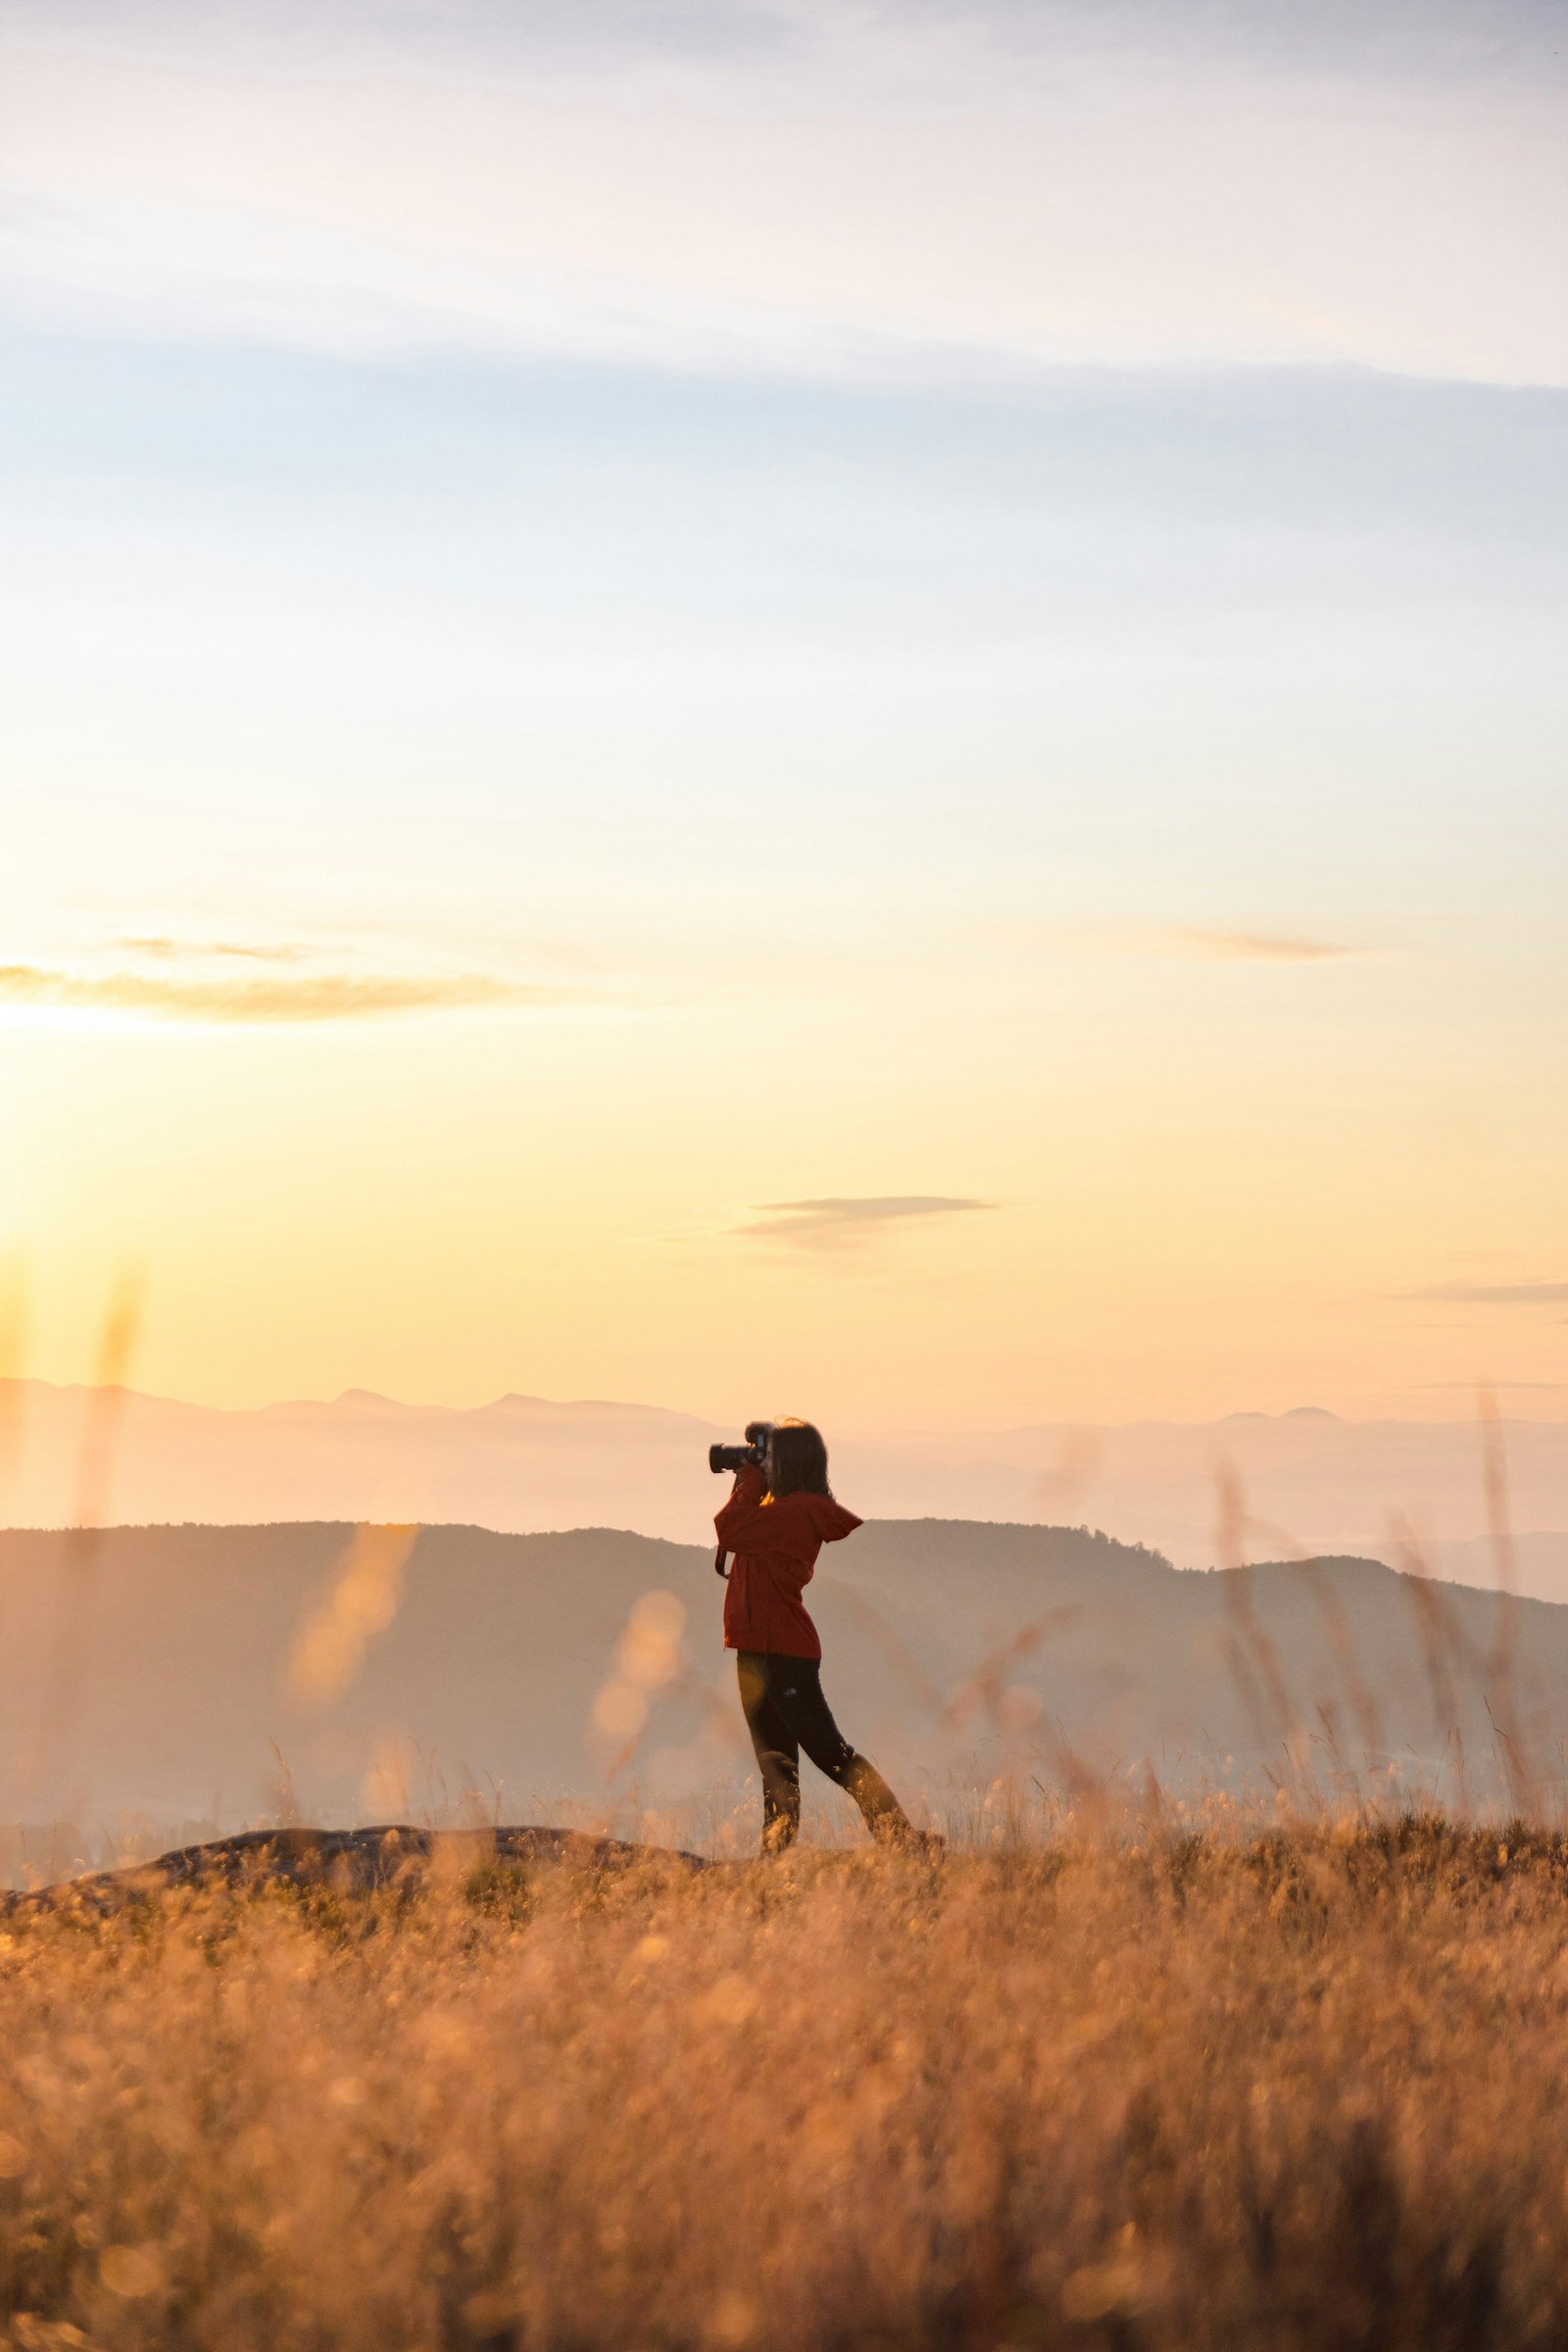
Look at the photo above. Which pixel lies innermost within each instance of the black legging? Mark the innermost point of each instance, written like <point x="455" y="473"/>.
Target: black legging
<point x="786" y="1711"/>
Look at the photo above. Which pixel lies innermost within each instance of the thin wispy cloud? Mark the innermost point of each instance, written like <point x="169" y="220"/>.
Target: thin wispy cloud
<point x="325" y="996"/>
<point x="1206" y="943"/>
<point x="831" y="1223"/>
<point x="1495" y="1294"/>
<point x="188" y="950"/>
<point x="1245" y="946"/>
<point x="589" y="198"/>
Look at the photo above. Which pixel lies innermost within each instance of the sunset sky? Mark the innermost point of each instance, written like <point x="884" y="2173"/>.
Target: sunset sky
<point x="787" y="706"/>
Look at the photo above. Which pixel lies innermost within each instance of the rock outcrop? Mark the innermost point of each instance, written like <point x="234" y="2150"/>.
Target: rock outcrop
<point x="347" y="1862"/>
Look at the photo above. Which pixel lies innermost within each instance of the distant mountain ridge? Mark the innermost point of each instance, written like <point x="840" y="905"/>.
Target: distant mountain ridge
<point x="1310" y="1480"/>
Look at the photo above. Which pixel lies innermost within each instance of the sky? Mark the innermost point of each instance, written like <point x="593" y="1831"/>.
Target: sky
<point x="853" y="709"/>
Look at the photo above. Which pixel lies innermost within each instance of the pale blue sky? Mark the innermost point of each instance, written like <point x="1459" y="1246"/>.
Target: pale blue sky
<point x="1200" y="621"/>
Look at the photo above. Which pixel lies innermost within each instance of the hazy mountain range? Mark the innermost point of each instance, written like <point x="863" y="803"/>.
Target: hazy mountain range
<point x="225" y="1672"/>
<point x="1308" y="1480"/>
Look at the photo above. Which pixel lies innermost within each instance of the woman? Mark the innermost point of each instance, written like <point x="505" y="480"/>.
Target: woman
<point x="776" y="1522"/>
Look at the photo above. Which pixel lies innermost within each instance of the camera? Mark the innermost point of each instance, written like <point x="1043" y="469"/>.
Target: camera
<point x="749" y="1456"/>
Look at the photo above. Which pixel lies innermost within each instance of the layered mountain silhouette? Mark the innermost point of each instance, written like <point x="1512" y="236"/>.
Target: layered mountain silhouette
<point x="223" y="1674"/>
<point x="1306" y="1478"/>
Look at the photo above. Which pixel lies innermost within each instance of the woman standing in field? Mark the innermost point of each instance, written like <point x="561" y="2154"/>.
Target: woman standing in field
<point x="777" y="1519"/>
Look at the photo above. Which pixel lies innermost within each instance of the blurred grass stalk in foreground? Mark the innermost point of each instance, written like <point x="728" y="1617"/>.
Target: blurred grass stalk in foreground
<point x="1185" y="2086"/>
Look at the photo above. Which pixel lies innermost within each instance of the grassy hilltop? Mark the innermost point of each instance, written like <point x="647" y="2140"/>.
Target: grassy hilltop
<point x="1158" y="2089"/>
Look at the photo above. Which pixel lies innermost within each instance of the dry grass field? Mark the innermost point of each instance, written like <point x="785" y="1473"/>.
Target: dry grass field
<point x="1156" y="2088"/>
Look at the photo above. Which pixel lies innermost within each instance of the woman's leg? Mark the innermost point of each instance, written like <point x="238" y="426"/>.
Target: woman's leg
<point x="795" y="1688"/>
<point x="778" y="1757"/>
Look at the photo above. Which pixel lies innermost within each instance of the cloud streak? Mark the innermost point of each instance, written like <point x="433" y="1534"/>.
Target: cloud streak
<point x="831" y="1223"/>
<point x="1495" y="1294"/>
<point x="591" y="199"/>
<point x="184" y="951"/>
<point x="327" y="996"/>
<point x="1247" y="946"/>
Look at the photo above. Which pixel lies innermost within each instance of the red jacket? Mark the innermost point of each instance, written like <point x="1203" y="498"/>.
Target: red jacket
<point x="776" y="1546"/>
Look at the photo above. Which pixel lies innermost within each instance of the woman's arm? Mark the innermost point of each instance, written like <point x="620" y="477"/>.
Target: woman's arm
<point x="745" y="1519"/>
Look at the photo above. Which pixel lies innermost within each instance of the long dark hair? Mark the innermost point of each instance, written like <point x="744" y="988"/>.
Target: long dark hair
<point x="800" y="1459"/>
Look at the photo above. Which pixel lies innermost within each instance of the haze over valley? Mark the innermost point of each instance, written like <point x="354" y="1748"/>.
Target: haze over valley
<point x="1303" y="1481"/>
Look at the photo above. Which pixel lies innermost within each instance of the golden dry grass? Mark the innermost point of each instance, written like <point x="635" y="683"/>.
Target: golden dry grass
<point x="1302" y="2089"/>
